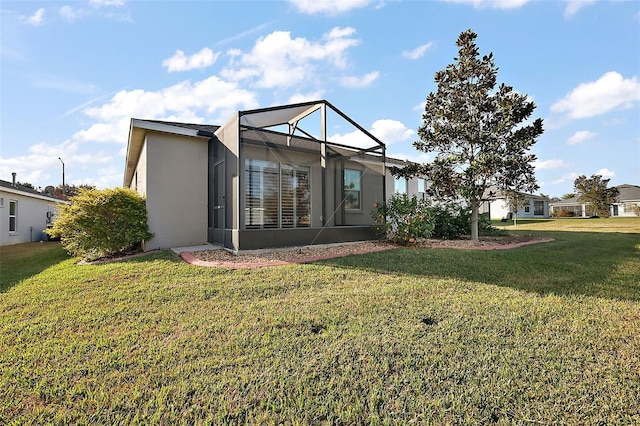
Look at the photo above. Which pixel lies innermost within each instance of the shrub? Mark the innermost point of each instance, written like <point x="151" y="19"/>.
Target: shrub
<point x="452" y="221"/>
<point x="407" y="219"/>
<point x="565" y="213"/>
<point x="101" y="223"/>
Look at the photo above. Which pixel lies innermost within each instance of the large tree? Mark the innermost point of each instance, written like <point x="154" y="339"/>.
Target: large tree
<point x="476" y="132"/>
<point x="594" y="191"/>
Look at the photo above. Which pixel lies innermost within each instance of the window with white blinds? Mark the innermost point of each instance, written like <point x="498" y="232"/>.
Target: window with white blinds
<point x="276" y="195"/>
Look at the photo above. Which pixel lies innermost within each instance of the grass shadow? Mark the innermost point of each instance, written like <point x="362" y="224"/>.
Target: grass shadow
<point x="577" y="263"/>
<point x="21" y="261"/>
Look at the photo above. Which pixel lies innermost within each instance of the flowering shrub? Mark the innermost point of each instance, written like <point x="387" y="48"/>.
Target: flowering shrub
<point x="407" y="219"/>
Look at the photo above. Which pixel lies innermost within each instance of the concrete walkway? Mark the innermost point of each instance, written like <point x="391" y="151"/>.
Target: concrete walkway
<point x="192" y="249"/>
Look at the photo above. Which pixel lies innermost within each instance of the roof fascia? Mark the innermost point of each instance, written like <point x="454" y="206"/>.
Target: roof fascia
<point x="17" y="191"/>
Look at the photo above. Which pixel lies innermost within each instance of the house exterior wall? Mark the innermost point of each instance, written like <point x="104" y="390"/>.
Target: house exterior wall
<point x="626" y="209"/>
<point x="175" y="189"/>
<point x="499" y="209"/>
<point x="31" y="216"/>
<point x="352" y="224"/>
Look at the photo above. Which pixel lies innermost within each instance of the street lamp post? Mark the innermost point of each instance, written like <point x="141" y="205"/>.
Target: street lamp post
<point x="64" y="188"/>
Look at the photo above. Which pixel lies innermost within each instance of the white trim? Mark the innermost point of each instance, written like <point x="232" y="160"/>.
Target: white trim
<point x="165" y="128"/>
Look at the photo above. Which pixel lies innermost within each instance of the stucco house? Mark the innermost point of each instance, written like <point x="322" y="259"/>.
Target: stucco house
<point x="268" y="177"/>
<point x="495" y="205"/>
<point x="24" y="213"/>
<point x="628" y="204"/>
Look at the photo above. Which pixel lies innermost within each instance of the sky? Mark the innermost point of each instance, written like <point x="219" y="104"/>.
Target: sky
<point x="74" y="73"/>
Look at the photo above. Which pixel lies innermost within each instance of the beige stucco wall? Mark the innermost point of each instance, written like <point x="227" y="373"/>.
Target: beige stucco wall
<point x="175" y="185"/>
<point x="31" y="212"/>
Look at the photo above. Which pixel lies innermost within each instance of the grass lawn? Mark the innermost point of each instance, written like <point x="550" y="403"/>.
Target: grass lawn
<point x="542" y="334"/>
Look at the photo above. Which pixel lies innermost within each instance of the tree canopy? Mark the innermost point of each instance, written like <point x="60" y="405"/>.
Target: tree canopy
<point x="476" y="132"/>
<point x="594" y="191"/>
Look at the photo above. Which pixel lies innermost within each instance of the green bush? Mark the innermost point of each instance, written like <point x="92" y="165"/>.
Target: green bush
<point x="101" y="223"/>
<point x="407" y="219"/>
<point x="451" y="221"/>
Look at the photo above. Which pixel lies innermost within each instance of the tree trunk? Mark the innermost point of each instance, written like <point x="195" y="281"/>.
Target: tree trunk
<point x="475" y="205"/>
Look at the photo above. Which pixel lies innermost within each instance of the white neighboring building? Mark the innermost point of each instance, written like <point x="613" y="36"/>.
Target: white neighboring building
<point x="24" y="213"/>
<point x="628" y="204"/>
<point x="536" y="207"/>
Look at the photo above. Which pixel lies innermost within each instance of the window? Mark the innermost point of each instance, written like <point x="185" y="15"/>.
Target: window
<point x="538" y="208"/>
<point x="276" y="196"/>
<point x="526" y="208"/>
<point x="13" y="216"/>
<point x="352" y="189"/>
<point x="400" y="185"/>
<point x="422" y="189"/>
<point x="295" y="196"/>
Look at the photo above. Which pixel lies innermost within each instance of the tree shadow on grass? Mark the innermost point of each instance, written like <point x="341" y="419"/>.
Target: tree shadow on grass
<point x="21" y="261"/>
<point x="591" y="264"/>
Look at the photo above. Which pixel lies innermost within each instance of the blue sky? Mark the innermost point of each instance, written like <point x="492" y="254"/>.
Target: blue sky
<point x="74" y="73"/>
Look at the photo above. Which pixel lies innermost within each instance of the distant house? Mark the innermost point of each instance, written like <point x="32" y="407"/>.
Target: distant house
<point x="628" y="204"/>
<point x="268" y="177"/>
<point x="24" y="213"/>
<point x="398" y="185"/>
<point x="495" y="205"/>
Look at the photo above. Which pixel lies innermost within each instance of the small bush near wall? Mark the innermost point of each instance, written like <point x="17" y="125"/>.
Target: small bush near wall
<point x="407" y="219"/>
<point x="101" y="223"/>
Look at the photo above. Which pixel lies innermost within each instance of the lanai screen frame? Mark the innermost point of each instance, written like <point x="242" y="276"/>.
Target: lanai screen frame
<point x="260" y="120"/>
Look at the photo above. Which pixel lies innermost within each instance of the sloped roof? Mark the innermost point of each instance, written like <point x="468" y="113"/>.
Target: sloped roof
<point x="493" y="193"/>
<point x="24" y="190"/>
<point x="291" y="114"/>
<point x="210" y="128"/>
<point x="628" y="192"/>
<point x="138" y="129"/>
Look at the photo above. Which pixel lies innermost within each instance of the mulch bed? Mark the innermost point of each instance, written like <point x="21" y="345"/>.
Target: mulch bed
<point x="224" y="259"/>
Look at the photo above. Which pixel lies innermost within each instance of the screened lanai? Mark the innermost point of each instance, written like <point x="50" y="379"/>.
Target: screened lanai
<point x="276" y="178"/>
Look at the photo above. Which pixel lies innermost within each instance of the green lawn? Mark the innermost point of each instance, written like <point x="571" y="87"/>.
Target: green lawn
<point x="542" y="334"/>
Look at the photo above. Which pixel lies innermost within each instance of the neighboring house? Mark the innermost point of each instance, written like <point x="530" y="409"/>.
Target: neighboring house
<point x="628" y="204"/>
<point x="269" y="177"/>
<point x="398" y="185"/>
<point x="496" y="207"/>
<point x="24" y="213"/>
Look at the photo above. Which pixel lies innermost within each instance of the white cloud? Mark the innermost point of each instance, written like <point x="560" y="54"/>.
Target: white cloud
<point x="305" y="97"/>
<point x="573" y="6"/>
<point x="328" y="7"/>
<point x="581" y="136"/>
<point x="199" y="60"/>
<point x="185" y="101"/>
<point x="568" y="177"/>
<point x="98" y="3"/>
<point x="494" y="4"/>
<point x="359" y="82"/>
<point x="418" y="52"/>
<point x="609" y="92"/>
<point x="386" y="130"/>
<point x="69" y="13"/>
<point x="554" y="163"/>
<point x="605" y="173"/>
<point x="35" y="166"/>
<point x="37" y="18"/>
<point x="416" y="157"/>
<point x="278" y="60"/>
